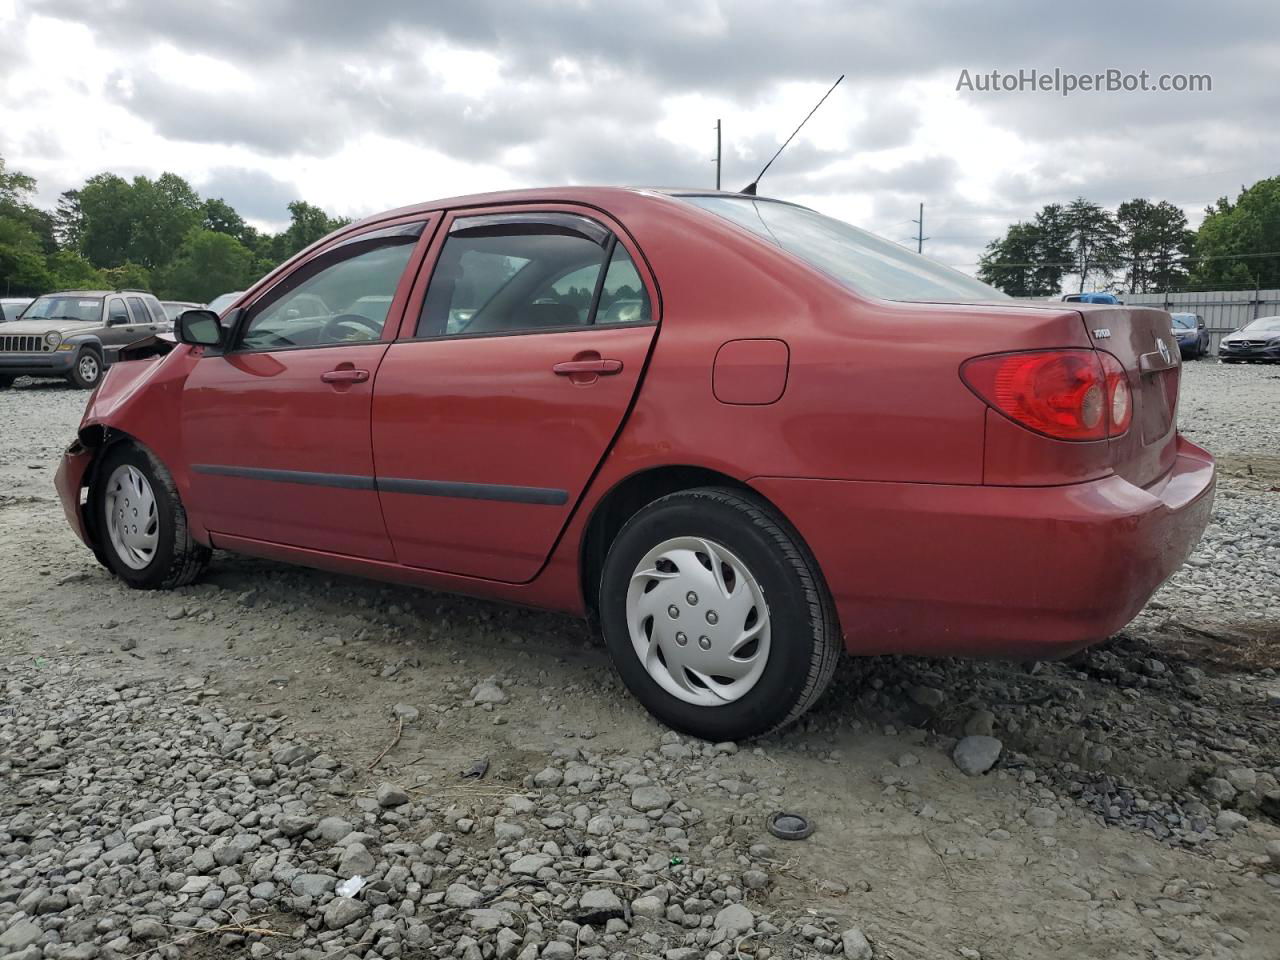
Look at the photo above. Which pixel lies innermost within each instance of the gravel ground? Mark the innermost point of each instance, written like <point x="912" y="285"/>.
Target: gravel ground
<point x="205" y="773"/>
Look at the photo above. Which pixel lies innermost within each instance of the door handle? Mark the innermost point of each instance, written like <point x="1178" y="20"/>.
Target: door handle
<point x="346" y="375"/>
<point x="602" y="367"/>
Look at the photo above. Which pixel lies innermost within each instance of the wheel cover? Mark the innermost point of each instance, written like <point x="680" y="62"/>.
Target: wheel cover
<point x="133" y="521"/>
<point x="698" y="621"/>
<point x="87" y="365"/>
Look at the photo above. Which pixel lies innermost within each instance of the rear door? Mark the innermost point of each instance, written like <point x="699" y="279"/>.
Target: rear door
<point x="276" y="429"/>
<point x="493" y="411"/>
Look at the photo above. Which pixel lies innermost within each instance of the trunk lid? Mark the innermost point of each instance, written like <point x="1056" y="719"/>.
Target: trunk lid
<point x="1135" y="336"/>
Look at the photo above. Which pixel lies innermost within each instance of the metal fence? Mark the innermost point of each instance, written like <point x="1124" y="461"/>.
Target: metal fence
<point x="1223" y="311"/>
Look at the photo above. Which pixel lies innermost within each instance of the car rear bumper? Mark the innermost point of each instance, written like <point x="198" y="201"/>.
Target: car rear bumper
<point x="52" y="364"/>
<point x="68" y="481"/>
<point x="936" y="569"/>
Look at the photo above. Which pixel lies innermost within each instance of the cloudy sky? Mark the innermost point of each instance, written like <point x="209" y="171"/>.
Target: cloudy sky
<point x="361" y="106"/>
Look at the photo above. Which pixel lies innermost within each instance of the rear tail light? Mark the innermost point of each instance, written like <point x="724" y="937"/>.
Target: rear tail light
<point x="1119" y="395"/>
<point x="1065" y="394"/>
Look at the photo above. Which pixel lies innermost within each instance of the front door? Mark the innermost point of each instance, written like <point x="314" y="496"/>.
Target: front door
<point x="491" y="416"/>
<point x="276" y="430"/>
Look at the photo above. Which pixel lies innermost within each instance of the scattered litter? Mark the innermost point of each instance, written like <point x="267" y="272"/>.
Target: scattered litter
<point x="349" y="888"/>
<point x="478" y="770"/>
<point x="789" y="826"/>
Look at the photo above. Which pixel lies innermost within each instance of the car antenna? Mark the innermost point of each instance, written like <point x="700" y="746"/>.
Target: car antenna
<point x="750" y="189"/>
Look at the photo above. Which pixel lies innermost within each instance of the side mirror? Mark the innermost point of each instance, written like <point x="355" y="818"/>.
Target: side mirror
<point x="117" y="319"/>
<point x="199" y="328"/>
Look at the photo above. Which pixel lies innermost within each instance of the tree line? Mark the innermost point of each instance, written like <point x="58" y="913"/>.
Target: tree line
<point x="158" y="235"/>
<point x="1141" y="247"/>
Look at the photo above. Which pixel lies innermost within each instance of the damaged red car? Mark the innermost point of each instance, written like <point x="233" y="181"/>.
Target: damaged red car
<point x="744" y="436"/>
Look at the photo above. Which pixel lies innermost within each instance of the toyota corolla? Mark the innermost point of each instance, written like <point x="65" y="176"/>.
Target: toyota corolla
<point x="742" y="435"/>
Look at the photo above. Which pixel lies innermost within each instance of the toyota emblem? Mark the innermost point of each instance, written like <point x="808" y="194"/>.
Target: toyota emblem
<point x="1164" y="350"/>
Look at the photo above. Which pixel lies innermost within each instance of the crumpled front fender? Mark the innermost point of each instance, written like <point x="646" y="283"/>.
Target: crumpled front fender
<point x="139" y="400"/>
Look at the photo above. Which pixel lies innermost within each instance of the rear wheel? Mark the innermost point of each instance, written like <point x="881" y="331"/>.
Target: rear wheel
<point x="141" y="525"/>
<point x="87" y="369"/>
<point x="716" y="616"/>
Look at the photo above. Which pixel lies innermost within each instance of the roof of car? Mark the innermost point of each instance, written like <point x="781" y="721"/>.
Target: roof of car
<point x="587" y="195"/>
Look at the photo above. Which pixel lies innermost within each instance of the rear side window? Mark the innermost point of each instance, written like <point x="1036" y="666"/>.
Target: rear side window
<point x="514" y="275"/>
<point x="858" y="259"/>
<point x="623" y="298"/>
<point x="137" y="312"/>
<point x="156" y="311"/>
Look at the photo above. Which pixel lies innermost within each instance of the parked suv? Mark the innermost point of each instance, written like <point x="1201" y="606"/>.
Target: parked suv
<point x="76" y="334"/>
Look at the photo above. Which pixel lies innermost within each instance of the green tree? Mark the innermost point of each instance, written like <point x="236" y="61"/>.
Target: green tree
<point x="128" y="276"/>
<point x="23" y="267"/>
<point x="68" y="221"/>
<point x="1031" y="259"/>
<point x="68" y="270"/>
<point x="26" y="235"/>
<point x="163" y="212"/>
<point x="1154" y="242"/>
<point x="1237" y="243"/>
<point x="208" y="264"/>
<point x="1094" y="238"/>
<point x="307" y="225"/>
<point x="143" y="222"/>
<point x="1009" y="262"/>
<point x="221" y="217"/>
<point x="107" y="220"/>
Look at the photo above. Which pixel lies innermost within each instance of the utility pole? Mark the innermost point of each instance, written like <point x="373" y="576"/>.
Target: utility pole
<point x="920" y="237"/>
<point x="717" y="154"/>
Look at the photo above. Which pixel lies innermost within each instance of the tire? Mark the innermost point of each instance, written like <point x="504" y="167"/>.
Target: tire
<point x="784" y="670"/>
<point x="86" y="372"/>
<point x="124" y="478"/>
<point x="6" y="382"/>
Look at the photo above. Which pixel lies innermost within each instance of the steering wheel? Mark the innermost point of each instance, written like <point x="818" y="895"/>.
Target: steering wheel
<point x="333" y="324"/>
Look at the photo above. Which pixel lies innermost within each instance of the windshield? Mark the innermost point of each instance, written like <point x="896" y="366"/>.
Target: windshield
<point x="1264" y="325"/>
<point x="65" y="308"/>
<point x="1187" y="321"/>
<point x="218" y="304"/>
<point x="859" y="260"/>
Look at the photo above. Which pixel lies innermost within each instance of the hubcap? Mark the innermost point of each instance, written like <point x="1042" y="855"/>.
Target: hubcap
<point x="133" y="522"/>
<point x="88" y="366"/>
<point x="730" y="652"/>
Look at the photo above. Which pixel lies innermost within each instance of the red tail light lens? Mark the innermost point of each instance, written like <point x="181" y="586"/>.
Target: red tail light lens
<point x="1065" y="394"/>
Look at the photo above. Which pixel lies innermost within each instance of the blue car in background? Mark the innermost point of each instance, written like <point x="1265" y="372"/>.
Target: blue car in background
<point x="1092" y="298"/>
<point x="1193" y="338"/>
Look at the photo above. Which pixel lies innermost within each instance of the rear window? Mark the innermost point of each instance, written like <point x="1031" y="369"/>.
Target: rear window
<point x="858" y="259"/>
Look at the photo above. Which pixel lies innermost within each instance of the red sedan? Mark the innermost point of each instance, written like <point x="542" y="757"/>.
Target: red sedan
<point x="743" y="435"/>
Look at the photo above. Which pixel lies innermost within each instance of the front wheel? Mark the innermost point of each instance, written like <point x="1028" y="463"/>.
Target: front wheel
<point x="716" y="616"/>
<point x="87" y="369"/>
<point x="140" y="522"/>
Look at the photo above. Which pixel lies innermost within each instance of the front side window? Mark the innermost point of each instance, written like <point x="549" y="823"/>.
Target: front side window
<point x="858" y="259"/>
<point x="497" y="276"/>
<point x="116" y="313"/>
<point x="340" y="297"/>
